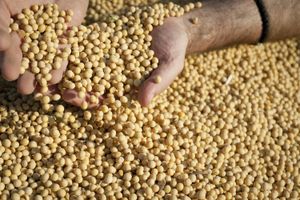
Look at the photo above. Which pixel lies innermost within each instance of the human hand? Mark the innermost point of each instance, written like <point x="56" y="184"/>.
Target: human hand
<point x="10" y="52"/>
<point x="170" y="43"/>
<point x="217" y="25"/>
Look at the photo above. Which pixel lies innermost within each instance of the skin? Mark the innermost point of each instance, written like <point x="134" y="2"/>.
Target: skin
<point x="10" y="52"/>
<point x="171" y="57"/>
<point x="238" y="20"/>
<point x="287" y="25"/>
<point x="203" y="36"/>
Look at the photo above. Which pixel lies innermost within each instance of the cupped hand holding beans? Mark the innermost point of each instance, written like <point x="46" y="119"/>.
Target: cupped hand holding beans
<point x="87" y="62"/>
<point x="218" y="24"/>
<point x="11" y="44"/>
<point x="170" y="43"/>
<point x="188" y="30"/>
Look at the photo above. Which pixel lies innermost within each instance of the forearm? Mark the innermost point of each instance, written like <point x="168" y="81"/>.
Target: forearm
<point x="227" y="22"/>
<point x="223" y="23"/>
<point x="284" y="19"/>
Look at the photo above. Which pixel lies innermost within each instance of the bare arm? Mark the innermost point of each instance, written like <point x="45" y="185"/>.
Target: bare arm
<point x="284" y="19"/>
<point x="221" y="23"/>
<point x="227" y="22"/>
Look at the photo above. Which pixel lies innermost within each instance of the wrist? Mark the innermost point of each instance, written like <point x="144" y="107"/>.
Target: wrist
<point x="201" y="35"/>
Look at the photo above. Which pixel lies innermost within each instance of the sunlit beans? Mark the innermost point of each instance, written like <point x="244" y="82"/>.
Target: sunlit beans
<point x="227" y="128"/>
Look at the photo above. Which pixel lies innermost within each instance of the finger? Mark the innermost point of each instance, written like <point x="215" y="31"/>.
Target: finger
<point x="57" y="74"/>
<point x="4" y="24"/>
<point x="167" y="72"/>
<point x="26" y="83"/>
<point x="72" y="97"/>
<point x="5" y="40"/>
<point x="12" y="58"/>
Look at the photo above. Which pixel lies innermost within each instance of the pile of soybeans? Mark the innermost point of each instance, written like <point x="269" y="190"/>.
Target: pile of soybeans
<point x="227" y="128"/>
